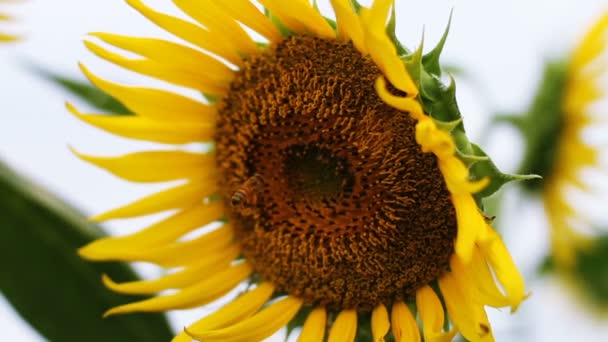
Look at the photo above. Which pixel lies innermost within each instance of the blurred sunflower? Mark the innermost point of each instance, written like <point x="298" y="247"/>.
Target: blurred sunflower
<point x="555" y="128"/>
<point x="337" y="196"/>
<point x="6" y="37"/>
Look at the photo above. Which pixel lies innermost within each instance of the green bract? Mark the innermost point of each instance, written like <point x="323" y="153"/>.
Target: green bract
<point x="439" y="101"/>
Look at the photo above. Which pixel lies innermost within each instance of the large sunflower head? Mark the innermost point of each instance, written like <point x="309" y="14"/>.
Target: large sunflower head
<point x="340" y="180"/>
<point x="5" y="36"/>
<point x="556" y="129"/>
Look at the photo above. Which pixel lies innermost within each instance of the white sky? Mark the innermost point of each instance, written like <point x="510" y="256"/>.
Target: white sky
<point x="502" y="43"/>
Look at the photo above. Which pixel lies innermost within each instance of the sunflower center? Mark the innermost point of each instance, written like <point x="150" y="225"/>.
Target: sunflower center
<point x="330" y="195"/>
<point x="315" y="174"/>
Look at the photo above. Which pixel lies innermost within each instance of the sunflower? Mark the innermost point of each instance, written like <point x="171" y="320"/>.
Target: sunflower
<point x="6" y="37"/>
<point x="555" y="129"/>
<point x="334" y="195"/>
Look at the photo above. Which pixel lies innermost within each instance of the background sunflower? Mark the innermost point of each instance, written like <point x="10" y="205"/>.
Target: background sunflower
<point x="490" y="36"/>
<point x="7" y="33"/>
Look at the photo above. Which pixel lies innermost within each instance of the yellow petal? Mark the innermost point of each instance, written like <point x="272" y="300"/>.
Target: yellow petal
<point x="206" y="40"/>
<point x="187" y="252"/>
<point x="502" y="263"/>
<point x="209" y="289"/>
<point x="236" y="311"/>
<point x="257" y="327"/>
<point x="171" y="255"/>
<point x="468" y="316"/>
<point x="579" y="94"/>
<point x="592" y="45"/>
<point x="377" y="15"/>
<point x="156" y="104"/>
<point x="456" y="175"/>
<point x="186" y="195"/>
<point x="380" y="323"/>
<point x="245" y="12"/>
<point x="434" y="140"/>
<point x="207" y="264"/>
<point x="155" y="166"/>
<point x="432" y="316"/>
<point x="300" y="16"/>
<point x="486" y="291"/>
<point x="349" y="25"/>
<point x="8" y="38"/>
<point x="344" y="328"/>
<point x="314" y="327"/>
<point x="406" y="104"/>
<point x="405" y="328"/>
<point x="382" y="49"/>
<point x="136" y="127"/>
<point x="215" y="19"/>
<point x="168" y="73"/>
<point x="169" y="53"/>
<point x="471" y="225"/>
<point x="161" y="233"/>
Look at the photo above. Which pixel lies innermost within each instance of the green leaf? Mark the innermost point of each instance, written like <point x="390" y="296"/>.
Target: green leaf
<point x="42" y="276"/>
<point x="84" y="91"/>
<point x="487" y="168"/>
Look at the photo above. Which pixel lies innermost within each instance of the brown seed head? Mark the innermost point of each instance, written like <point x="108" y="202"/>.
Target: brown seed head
<point x="351" y="213"/>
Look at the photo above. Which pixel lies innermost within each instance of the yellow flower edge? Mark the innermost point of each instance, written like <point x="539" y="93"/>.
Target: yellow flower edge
<point x="7" y="18"/>
<point x="582" y="89"/>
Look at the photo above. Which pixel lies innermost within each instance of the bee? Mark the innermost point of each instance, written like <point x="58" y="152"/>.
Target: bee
<point x="245" y="198"/>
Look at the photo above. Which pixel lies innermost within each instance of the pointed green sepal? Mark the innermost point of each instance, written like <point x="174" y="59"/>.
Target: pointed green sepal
<point x="390" y="32"/>
<point x="448" y="126"/>
<point x="470" y="159"/>
<point x="487" y="168"/>
<point x="431" y="59"/>
<point x="413" y="64"/>
<point x="440" y="100"/>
